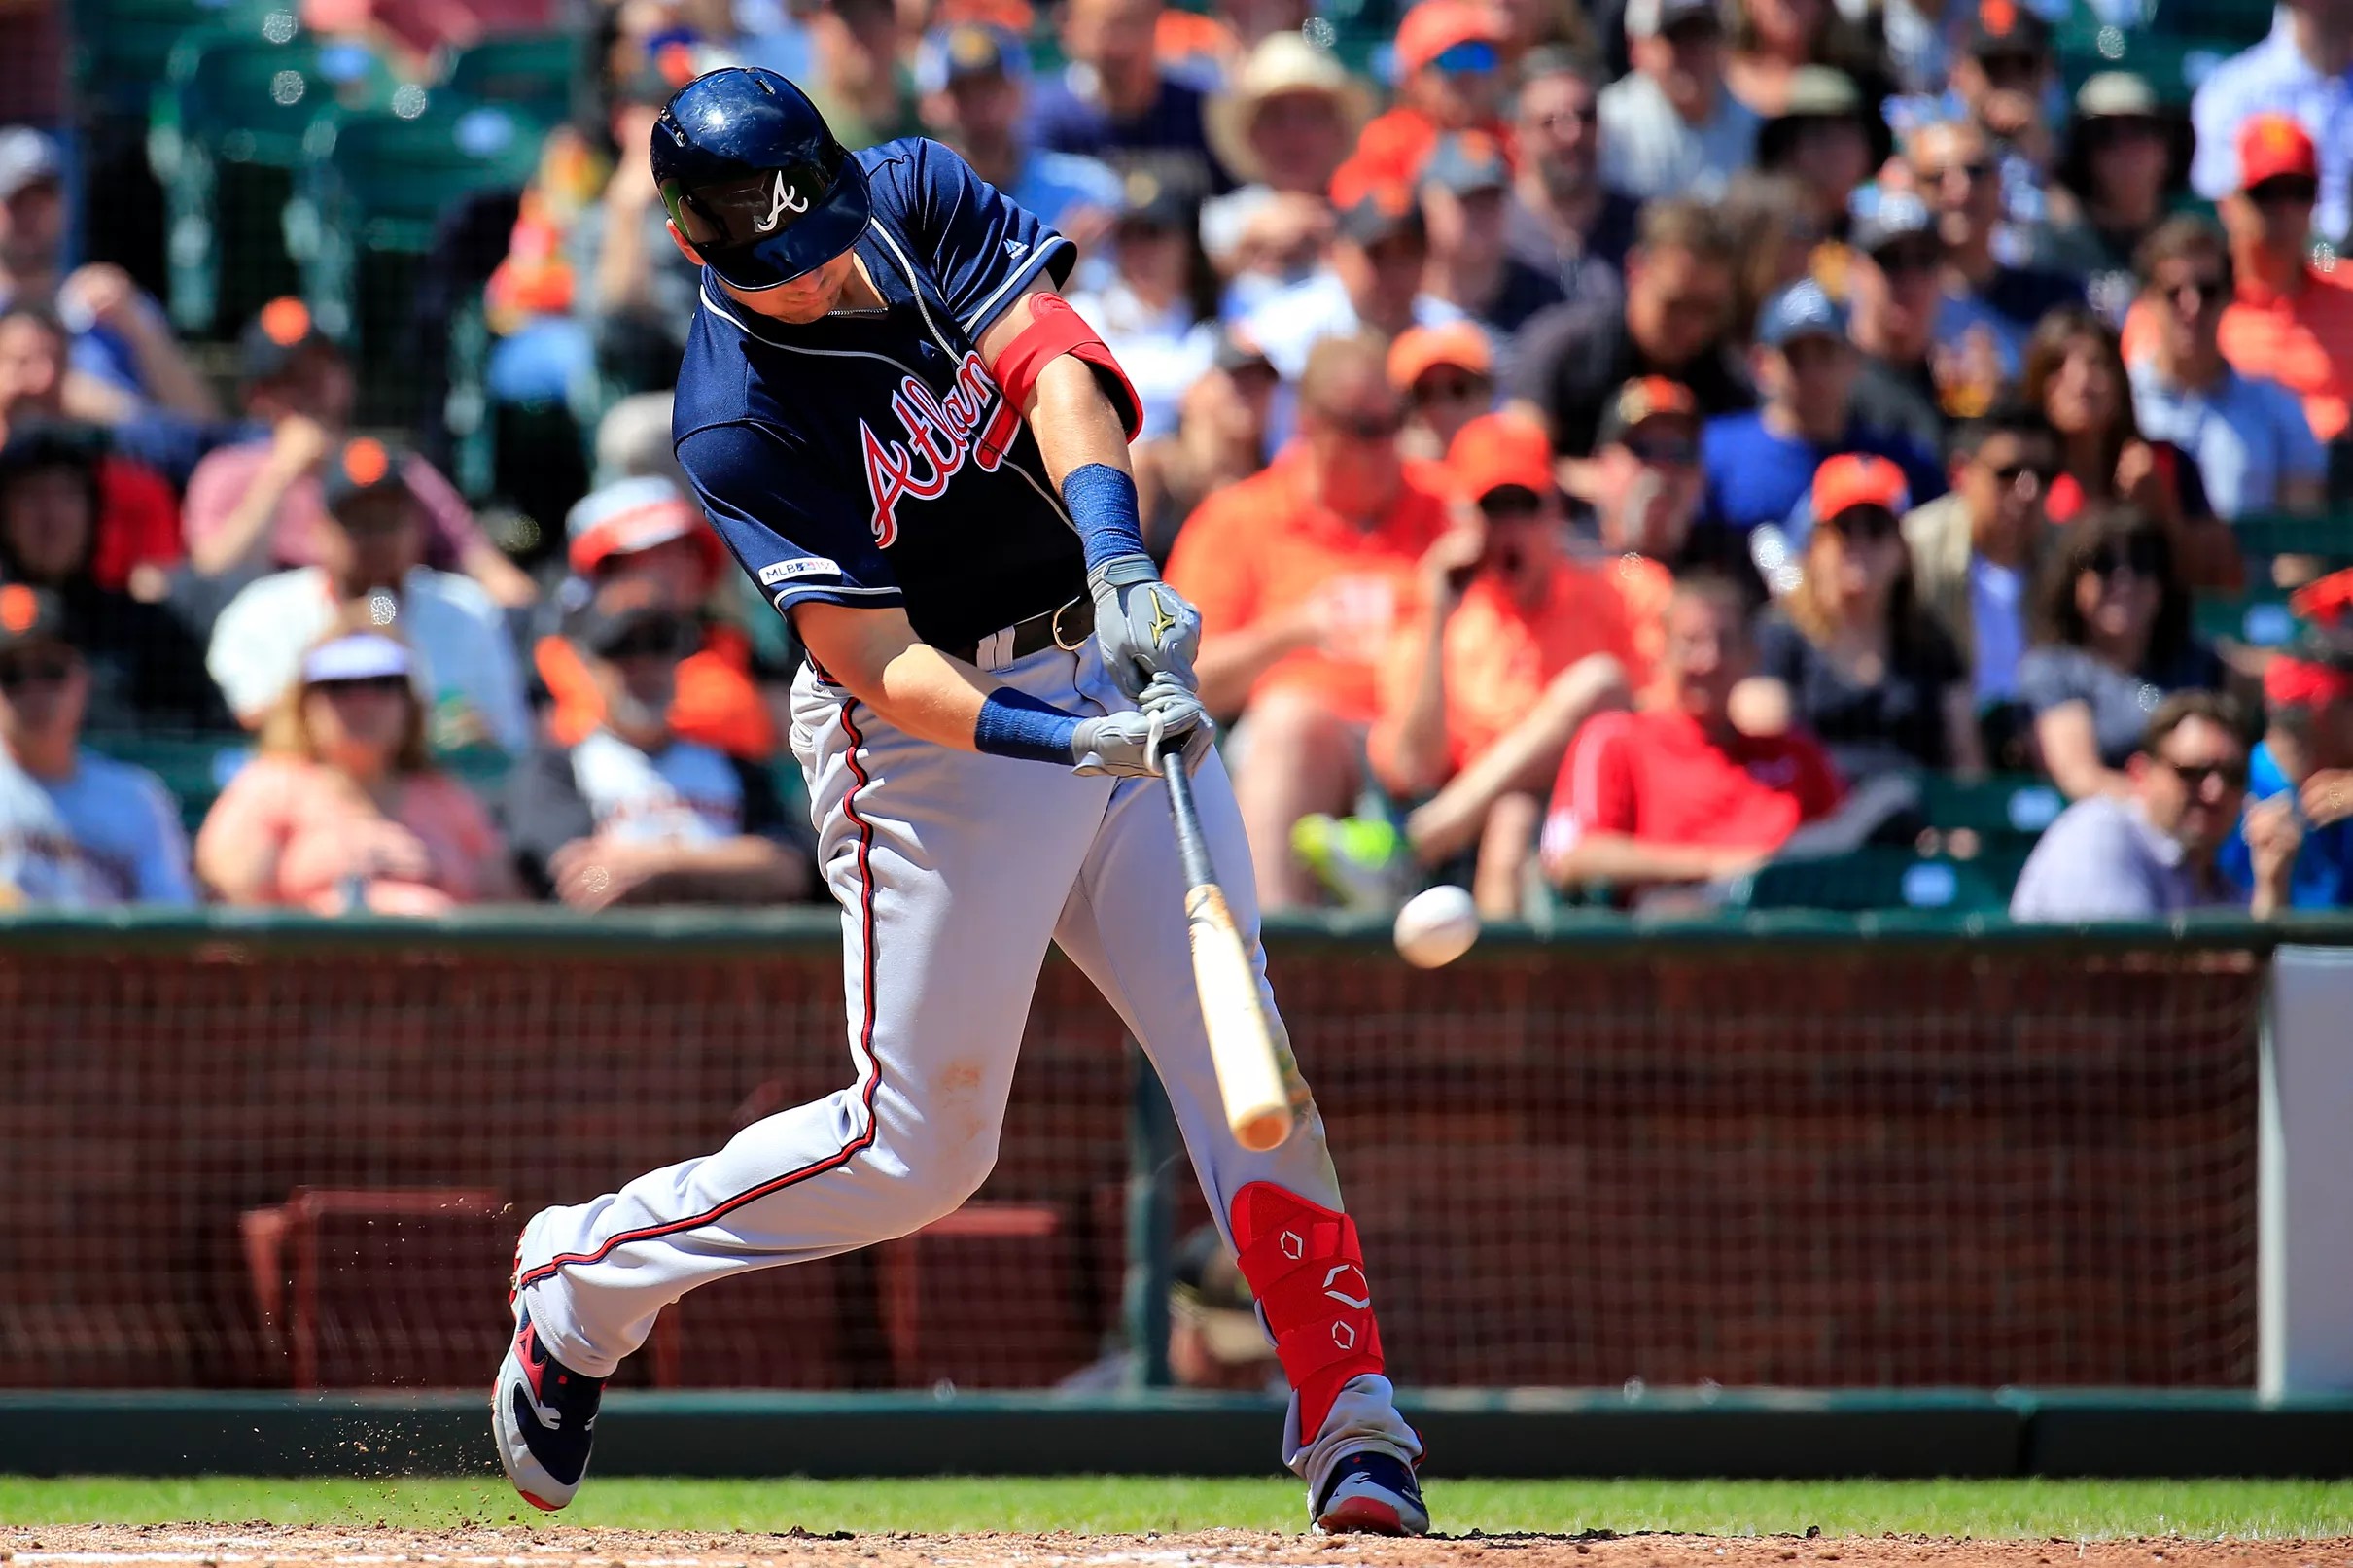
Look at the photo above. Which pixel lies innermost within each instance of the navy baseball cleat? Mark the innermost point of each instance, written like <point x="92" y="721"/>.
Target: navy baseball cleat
<point x="543" y="1416"/>
<point x="1372" y="1493"/>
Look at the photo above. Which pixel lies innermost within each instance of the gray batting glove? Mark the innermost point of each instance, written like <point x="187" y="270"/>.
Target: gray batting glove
<point x="1144" y="626"/>
<point x="1128" y="744"/>
<point x="1171" y="701"/>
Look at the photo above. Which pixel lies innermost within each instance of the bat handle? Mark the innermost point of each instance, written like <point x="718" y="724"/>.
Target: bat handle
<point x="1192" y="850"/>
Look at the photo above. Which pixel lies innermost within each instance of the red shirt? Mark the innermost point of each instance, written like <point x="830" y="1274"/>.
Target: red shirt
<point x="1658" y="776"/>
<point x="138" y="521"/>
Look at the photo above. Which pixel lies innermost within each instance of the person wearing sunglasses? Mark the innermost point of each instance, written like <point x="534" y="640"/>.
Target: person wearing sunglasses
<point x="1449" y="77"/>
<point x="1564" y="226"/>
<point x="1117" y="101"/>
<point x="1869" y="673"/>
<point x="632" y="813"/>
<point x="1447" y="377"/>
<point x="1988" y="288"/>
<point x="1974" y="553"/>
<point x="1462" y="189"/>
<point x="343" y="808"/>
<point x="2254" y="449"/>
<point x="370" y="548"/>
<point x="77" y="829"/>
<point x="1761" y="464"/>
<point x="2300" y="777"/>
<point x="1370" y="277"/>
<point x="1512" y="647"/>
<point x="2299" y="67"/>
<point x="1302" y="575"/>
<point x="1670" y="127"/>
<point x="2285" y="321"/>
<point x="1636" y="503"/>
<point x="2112" y="634"/>
<point x="2150" y="849"/>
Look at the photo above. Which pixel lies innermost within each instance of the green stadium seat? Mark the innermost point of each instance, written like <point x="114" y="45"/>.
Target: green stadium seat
<point x="121" y="47"/>
<point x="193" y="768"/>
<point x="2010" y="807"/>
<point x="531" y="72"/>
<point x="2259" y="619"/>
<point x="1886" y="877"/>
<point x="2329" y="537"/>
<point x="225" y="131"/>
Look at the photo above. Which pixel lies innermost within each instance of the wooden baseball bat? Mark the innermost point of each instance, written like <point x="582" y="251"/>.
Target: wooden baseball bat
<point x="1257" y="1100"/>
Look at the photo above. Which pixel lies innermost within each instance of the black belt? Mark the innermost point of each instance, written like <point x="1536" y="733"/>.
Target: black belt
<point x="1066" y="627"/>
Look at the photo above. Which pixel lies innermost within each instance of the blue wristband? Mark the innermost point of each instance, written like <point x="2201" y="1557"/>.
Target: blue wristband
<point x="1014" y="723"/>
<point x="1103" y="509"/>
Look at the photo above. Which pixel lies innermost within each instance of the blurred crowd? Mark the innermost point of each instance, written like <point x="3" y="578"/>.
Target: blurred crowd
<point x="1613" y="446"/>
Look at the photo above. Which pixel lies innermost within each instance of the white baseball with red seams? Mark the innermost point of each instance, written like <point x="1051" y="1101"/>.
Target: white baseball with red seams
<point x="954" y="871"/>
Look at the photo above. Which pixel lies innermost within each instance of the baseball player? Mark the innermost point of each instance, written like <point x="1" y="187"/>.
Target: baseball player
<point x="919" y="451"/>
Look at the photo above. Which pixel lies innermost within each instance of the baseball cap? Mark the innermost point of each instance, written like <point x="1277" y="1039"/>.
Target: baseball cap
<point x="1237" y="350"/>
<point x="1641" y="399"/>
<point x="1466" y="160"/>
<point x="1648" y="18"/>
<point x="629" y="515"/>
<point x="27" y="157"/>
<point x="1820" y="92"/>
<point x="1883" y="217"/>
<point x="361" y="467"/>
<point x="2274" y="147"/>
<point x="2306" y="677"/>
<point x="1144" y="198"/>
<point x="1853" y="479"/>
<point x="357" y="656"/>
<point x="965" y="50"/>
<point x="30" y="617"/>
<point x="1385" y="208"/>
<point x="279" y="331"/>
<point x="1420" y="349"/>
<point x="1800" y="310"/>
<point x="2007" y="28"/>
<point x="618" y="612"/>
<point x="1495" y="450"/>
<point x="1434" y="26"/>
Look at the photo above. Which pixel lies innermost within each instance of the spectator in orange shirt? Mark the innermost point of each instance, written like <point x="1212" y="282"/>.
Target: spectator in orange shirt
<point x="1449" y="78"/>
<point x="1448" y="377"/>
<point x="1513" y="647"/>
<point x="646" y="529"/>
<point x="1301" y="574"/>
<point x="2286" y="321"/>
<point x="1680" y="792"/>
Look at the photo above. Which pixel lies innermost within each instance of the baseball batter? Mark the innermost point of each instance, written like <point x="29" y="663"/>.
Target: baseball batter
<point x="919" y="452"/>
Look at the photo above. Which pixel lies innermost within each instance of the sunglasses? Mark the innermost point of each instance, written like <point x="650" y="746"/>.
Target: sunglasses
<point x="1448" y="389"/>
<point x="1471" y="58"/>
<point x="374" y="685"/>
<point x="1870" y="524"/>
<point x="1903" y="259"/>
<point x="1663" y="451"/>
<point x="2140" y="563"/>
<point x="1510" y="503"/>
<point x="1368" y="427"/>
<point x="2010" y="473"/>
<point x="2233" y="775"/>
<point x="2288" y="189"/>
<point x="1977" y="170"/>
<point x="17" y="674"/>
<point x="651" y="642"/>
<point x="1691" y="31"/>
<point x="2203" y="291"/>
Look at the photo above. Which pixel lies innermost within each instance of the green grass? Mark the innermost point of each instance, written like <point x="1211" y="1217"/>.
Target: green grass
<point x="2030" y="1508"/>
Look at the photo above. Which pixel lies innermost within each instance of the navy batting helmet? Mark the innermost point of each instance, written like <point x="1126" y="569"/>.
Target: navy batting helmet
<point x="755" y="180"/>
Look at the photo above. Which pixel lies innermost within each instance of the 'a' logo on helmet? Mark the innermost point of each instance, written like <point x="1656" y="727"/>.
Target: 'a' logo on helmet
<point x="786" y="198"/>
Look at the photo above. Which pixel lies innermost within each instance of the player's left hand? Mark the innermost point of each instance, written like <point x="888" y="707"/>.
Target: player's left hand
<point x="1145" y="627"/>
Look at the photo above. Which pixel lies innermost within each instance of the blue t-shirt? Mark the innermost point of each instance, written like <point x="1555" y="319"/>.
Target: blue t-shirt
<point x="2248" y="435"/>
<point x="108" y="835"/>
<point x="2323" y="877"/>
<point x="868" y="458"/>
<point x="1757" y="477"/>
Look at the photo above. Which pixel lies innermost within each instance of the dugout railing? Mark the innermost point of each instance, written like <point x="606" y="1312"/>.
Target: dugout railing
<point x="1896" y="1152"/>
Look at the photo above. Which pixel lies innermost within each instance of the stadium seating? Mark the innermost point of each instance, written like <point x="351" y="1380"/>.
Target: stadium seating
<point x="531" y="72"/>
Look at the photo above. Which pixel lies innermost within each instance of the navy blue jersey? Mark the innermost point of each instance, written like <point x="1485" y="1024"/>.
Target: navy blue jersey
<point x="868" y="458"/>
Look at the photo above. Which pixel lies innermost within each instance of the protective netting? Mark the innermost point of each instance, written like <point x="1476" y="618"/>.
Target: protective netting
<point x="258" y="1163"/>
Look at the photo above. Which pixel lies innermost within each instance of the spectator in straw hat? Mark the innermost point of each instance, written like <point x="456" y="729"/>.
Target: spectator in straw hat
<point x="1450" y="65"/>
<point x="373" y="548"/>
<point x="2301" y="771"/>
<point x="1288" y="117"/>
<point x="2119" y="165"/>
<point x="76" y="829"/>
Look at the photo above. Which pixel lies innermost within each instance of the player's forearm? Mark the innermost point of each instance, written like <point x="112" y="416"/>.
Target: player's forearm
<point x="1075" y="422"/>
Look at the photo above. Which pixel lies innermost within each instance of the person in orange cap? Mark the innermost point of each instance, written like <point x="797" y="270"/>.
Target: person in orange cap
<point x="1449" y="77"/>
<point x="1513" y="646"/>
<point x="1867" y="671"/>
<point x="1448" y="377"/>
<point x="2286" y="321"/>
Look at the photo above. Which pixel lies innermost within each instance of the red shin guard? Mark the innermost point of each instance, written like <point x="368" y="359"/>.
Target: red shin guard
<point x="1306" y="1270"/>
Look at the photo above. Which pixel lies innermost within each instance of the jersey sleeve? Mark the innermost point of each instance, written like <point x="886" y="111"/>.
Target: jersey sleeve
<point x="794" y="531"/>
<point x="983" y="248"/>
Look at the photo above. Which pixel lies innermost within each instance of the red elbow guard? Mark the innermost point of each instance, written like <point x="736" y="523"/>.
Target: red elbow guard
<point x="1307" y="1271"/>
<point x="1055" y="329"/>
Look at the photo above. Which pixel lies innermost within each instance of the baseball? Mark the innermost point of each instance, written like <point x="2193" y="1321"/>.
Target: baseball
<point x="1437" y="927"/>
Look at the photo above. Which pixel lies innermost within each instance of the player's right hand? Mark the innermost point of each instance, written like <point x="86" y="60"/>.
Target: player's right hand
<point x="1126" y="745"/>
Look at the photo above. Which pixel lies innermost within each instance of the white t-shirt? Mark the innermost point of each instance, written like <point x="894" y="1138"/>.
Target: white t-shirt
<point x="1998" y="619"/>
<point x="109" y="834"/>
<point x="1292" y="320"/>
<point x="467" y="664"/>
